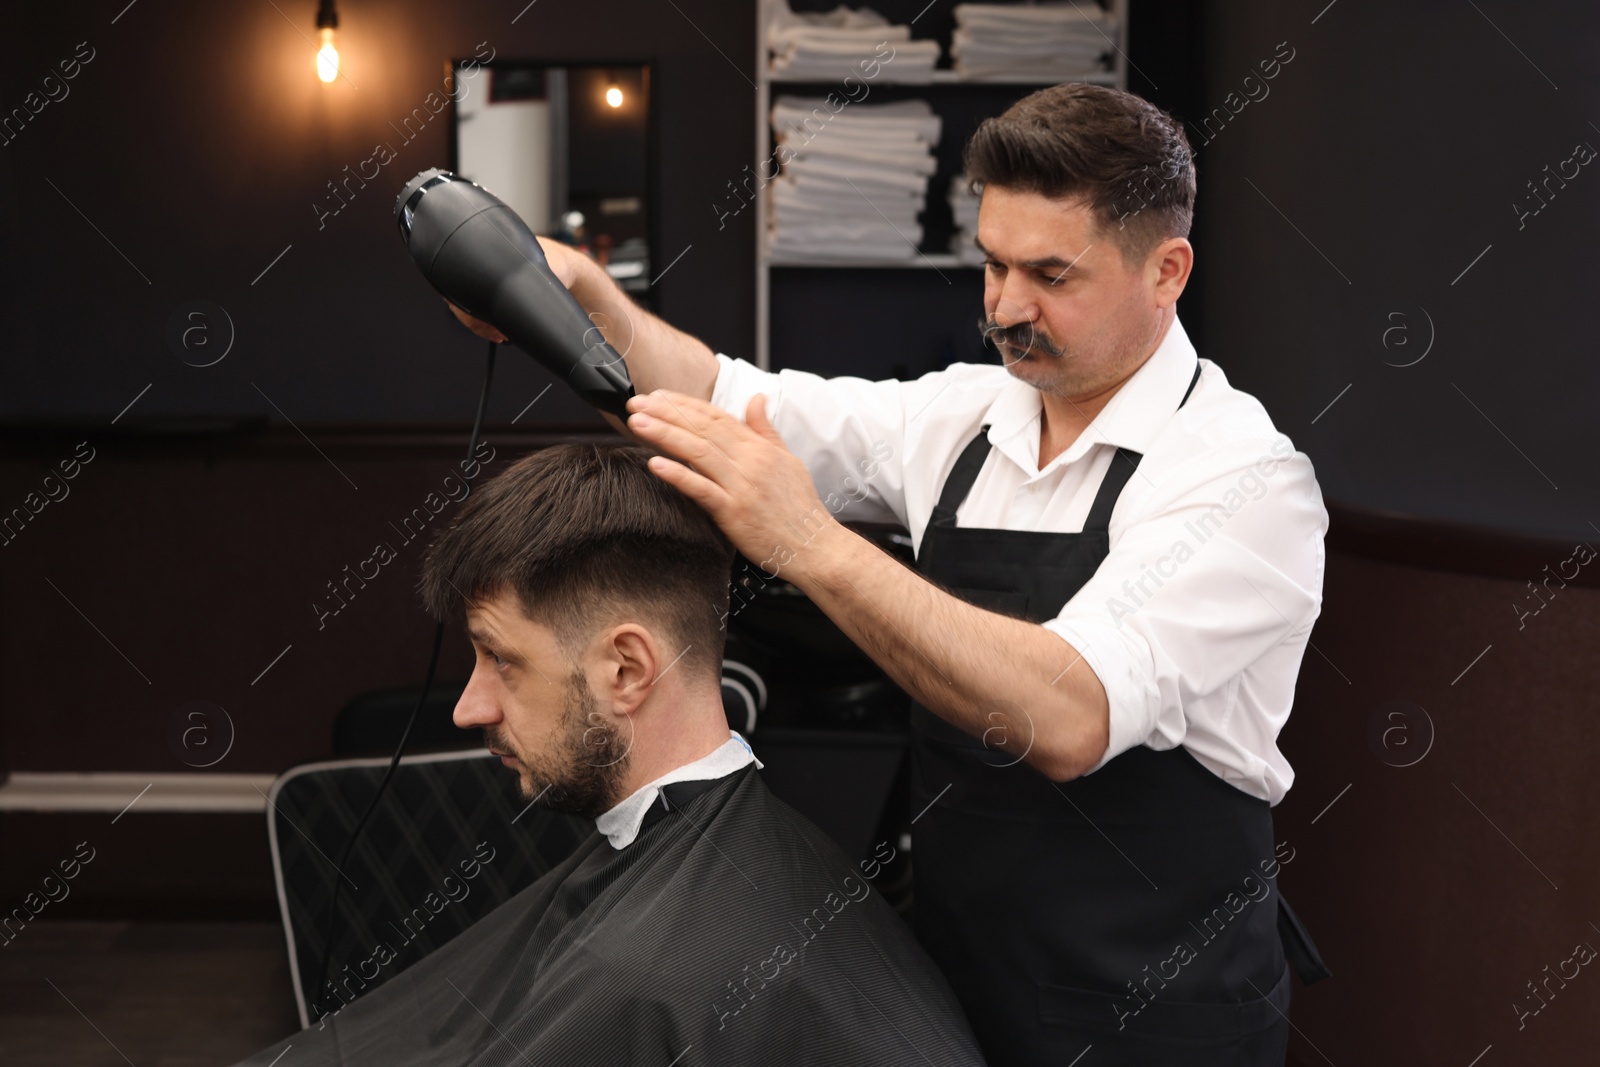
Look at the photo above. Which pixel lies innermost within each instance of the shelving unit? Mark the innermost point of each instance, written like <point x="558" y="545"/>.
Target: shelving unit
<point x="944" y="87"/>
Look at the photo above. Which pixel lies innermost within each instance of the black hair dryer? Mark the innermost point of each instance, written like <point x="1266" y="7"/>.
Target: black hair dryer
<point x="483" y="258"/>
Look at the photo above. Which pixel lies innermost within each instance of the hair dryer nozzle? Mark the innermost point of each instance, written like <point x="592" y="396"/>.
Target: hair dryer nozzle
<point x="483" y="258"/>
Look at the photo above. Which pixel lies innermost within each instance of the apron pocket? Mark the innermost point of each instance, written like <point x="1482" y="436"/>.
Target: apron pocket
<point x="1120" y="1021"/>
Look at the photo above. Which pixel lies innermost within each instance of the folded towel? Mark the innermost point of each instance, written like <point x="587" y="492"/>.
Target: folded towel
<point x="898" y="111"/>
<point x="963" y="42"/>
<point x="822" y="150"/>
<point x="855" y="44"/>
<point x="838" y="61"/>
<point x="851" y="193"/>
<point x="833" y="73"/>
<point x="895" y="249"/>
<point x="860" y="172"/>
<point x="1012" y="72"/>
<point x="1028" y="37"/>
<point x="809" y="116"/>
<point x="827" y="36"/>
<point x="1066" y="59"/>
<point x="832" y="45"/>
<point x="904" y="66"/>
<point x="855" y="54"/>
<point x="847" y="139"/>
<point x="800" y="224"/>
<point x="782" y="20"/>
<point x="1046" y="41"/>
<point x="805" y="208"/>
<point x="1088" y="59"/>
<point x="1049" y="14"/>
<point x="822" y="234"/>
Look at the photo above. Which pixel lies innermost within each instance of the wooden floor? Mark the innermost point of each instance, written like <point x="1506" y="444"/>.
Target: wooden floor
<point x="110" y="994"/>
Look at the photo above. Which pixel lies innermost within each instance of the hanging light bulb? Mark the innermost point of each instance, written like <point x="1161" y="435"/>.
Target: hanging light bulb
<point x="327" y="55"/>
<point x="613" y="91"/>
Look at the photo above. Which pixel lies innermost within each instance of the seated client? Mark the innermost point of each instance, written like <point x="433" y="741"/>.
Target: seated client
<point x="704" y="921"/>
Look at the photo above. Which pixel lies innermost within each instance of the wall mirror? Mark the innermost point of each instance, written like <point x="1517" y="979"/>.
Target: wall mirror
<point x="569" y="146"/>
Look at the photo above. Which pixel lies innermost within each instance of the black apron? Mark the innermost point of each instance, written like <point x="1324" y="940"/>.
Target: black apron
<point x="1057" y="910"/>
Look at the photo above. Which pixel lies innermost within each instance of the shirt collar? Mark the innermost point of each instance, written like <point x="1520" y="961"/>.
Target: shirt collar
<point x="1132" y="418"/>
<point x="621" y="823"/>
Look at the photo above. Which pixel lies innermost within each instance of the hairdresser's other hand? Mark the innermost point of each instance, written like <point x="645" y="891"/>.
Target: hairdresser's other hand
<point x="477" y="326"/>
<point x="566" y="263"/>
<point x="741" y="473"/>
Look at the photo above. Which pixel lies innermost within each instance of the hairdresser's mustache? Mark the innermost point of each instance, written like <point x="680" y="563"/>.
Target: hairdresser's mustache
<point x="1021" y="337"/>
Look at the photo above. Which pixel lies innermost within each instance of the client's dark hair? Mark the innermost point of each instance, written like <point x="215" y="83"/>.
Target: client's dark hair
<point x="580" y="533"/>
<point x="1125" y="158"/>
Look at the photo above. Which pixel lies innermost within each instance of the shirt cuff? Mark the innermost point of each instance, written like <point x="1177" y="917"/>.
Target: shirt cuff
<point x="1122" y="663"/>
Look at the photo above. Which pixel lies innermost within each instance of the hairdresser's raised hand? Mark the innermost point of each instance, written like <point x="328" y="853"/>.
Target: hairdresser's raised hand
<point x="566" y="263"/>
<point x="741" y="473"/>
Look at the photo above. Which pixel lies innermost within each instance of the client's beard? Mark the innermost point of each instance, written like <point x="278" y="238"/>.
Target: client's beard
<point x="1021" y="337"/>
<point x="583" y="774"/>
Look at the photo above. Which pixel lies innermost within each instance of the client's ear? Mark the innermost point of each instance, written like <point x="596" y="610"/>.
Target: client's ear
<point x="633" y="659"/>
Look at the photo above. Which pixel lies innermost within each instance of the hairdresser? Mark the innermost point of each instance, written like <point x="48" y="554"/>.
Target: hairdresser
<point x="1119" y="559"/>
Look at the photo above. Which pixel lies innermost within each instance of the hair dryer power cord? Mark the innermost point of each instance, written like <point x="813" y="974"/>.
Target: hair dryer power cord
<point x="405" y="735"/>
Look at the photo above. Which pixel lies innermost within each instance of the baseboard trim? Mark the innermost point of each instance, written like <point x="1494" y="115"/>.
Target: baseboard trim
<point x="133" y="793"/>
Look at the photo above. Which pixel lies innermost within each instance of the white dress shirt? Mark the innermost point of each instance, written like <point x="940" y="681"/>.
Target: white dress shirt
<point x="621" y="823"/>
<point x="1197" y="620"/>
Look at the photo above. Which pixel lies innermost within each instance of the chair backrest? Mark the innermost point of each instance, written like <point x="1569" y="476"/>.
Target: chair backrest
<point x="451" y="841"/>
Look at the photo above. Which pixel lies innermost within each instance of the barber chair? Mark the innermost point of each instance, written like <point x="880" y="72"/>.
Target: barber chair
<point x="451" y="840"/>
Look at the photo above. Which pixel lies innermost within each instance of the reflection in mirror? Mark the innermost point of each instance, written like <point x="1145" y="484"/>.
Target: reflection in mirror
<point x="567" y="147"/>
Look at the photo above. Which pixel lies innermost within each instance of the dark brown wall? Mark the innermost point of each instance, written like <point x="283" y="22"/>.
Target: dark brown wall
<point x="180" y="570"/>
<point x="1437" y="889"/>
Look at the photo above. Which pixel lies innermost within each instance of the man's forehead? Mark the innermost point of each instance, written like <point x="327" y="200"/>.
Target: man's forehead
<point x="489" y="617"/>
<point x="1027" y="227"/>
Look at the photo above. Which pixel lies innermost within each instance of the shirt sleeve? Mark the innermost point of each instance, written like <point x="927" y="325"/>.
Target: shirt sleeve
<point x="1204" y="582"/>
<point x="850" y="432"/>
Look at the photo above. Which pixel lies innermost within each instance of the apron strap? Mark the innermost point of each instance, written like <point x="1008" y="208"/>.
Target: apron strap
<point x="971" y="460"/>
<point x="1123" y="464"/>
<point x="1192" y="380"/>
<point x="962" y="475"/>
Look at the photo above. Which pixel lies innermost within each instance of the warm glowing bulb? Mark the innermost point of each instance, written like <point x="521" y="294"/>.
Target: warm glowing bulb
<point x="614" y="96"/>
<point x="327" y="56"/>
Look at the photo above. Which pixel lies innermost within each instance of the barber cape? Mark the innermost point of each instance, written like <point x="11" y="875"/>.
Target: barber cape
<point x="730" y="931"/>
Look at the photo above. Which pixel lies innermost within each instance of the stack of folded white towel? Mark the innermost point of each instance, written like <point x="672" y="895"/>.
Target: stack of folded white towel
<point x="832" y="45"/>
<point x="964" y="210"/>
<point x="853" y="182"/>
<point x="1056" y="40"/>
